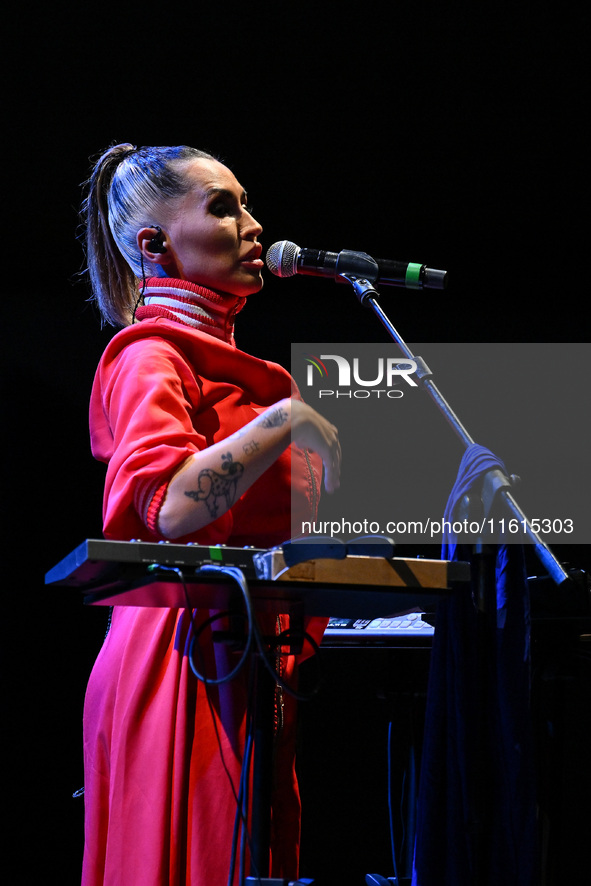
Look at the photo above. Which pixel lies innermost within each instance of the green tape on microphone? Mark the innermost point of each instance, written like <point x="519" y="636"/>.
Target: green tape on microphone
<point x="412" y="279"/>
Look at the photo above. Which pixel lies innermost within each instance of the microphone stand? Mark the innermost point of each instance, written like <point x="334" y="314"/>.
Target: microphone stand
<point x="497" y="486"/>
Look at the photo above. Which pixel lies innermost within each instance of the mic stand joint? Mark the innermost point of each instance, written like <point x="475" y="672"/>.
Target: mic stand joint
<point x="363" y="288"/>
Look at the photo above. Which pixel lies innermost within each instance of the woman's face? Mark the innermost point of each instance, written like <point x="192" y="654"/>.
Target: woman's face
<point x="211" y="237"/>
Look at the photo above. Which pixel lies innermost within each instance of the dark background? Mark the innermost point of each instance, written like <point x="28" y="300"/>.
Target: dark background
<point x="449" y="134"/>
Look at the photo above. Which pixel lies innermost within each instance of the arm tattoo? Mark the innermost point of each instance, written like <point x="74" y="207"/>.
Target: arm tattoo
<point x="213" y="486"/>
<point x="251" y="447"/>
<point x="275" y="419"/>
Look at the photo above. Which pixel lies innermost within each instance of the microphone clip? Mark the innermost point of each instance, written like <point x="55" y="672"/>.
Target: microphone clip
<point x="363" y="288"/>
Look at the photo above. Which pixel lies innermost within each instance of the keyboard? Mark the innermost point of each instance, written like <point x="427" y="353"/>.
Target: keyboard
<point x="411" y="628"/>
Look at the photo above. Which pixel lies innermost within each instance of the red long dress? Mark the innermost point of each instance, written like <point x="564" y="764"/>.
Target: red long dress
<point x="159" y="808"/>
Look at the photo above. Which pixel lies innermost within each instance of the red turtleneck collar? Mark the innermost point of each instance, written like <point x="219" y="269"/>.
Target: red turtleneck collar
<point x="192" y="305"/>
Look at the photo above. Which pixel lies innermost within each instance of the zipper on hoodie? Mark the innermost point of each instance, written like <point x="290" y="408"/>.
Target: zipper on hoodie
<point x="314" y="485"/>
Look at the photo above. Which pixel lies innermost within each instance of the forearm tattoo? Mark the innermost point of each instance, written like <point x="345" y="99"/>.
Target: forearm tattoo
<point x="250" y="448"/>
<point x="214" y="488"/>
<point x="276" y="418"/>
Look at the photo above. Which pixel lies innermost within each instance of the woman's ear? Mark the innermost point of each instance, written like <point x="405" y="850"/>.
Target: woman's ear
<point x="153" y="246"/>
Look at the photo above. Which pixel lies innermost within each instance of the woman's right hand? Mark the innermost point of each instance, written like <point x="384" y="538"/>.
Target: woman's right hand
<point x="310" y="430"/>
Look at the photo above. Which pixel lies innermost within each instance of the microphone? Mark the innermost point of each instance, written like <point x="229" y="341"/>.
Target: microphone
<point x="284" y="259"/>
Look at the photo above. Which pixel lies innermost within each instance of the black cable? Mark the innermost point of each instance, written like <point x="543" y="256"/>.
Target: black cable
<point x="236" y="574"/>
<point x="390" y="806"/>
<point x="241" y="815"/>
<point x="245" y="760"/>
<point x="143" y="289"/>
<point x="253" y="633"/>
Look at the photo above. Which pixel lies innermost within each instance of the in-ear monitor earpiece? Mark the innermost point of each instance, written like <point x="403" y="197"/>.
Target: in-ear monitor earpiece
<point x="156" y="244"/>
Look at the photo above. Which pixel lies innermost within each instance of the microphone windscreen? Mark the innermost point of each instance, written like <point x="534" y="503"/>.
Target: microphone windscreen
<point x="281" y="258"/>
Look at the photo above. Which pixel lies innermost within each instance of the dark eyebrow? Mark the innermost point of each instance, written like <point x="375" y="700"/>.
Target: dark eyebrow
<point x="224" y="192"/>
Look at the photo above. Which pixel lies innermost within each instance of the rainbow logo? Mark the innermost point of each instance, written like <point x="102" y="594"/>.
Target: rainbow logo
<point x="315" y="363"/>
